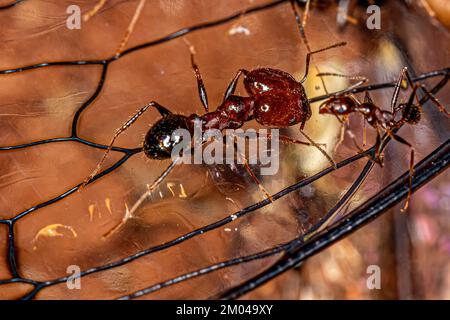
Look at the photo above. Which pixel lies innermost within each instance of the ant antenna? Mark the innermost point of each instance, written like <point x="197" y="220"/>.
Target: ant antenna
<point x="301" y="23"/>
<point x="200" y="84"/>
<point x="162" y="110"/>
<point x="360" y="80"/>
<point x="131" y="26"/>
<point x="88" y="15"/>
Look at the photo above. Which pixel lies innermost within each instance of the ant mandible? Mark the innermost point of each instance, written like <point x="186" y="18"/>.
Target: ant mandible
<point x="345" y="104"/>
<point x="274" y="99"/>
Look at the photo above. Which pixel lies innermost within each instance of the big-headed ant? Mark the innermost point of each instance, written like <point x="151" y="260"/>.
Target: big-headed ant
<point x="342" y="105"/>
<point x="274" y="99"/>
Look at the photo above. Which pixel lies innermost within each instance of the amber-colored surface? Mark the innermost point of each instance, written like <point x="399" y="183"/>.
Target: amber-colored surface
<point x="411" y="249"/>
<point x="441" y="9"/>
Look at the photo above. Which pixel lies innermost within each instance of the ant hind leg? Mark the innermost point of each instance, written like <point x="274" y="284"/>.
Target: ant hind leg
<point x="315" y="144"/>
<point x="411" y="166"/>
<point x="434" y="100"/>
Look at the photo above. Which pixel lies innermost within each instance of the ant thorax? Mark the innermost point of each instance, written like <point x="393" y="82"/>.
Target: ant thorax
<point x="231" y="114"/>
<point x="385" y="118"/>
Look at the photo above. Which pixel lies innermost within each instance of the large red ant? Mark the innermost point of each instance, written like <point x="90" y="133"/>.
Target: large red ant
<point x="389" y="121"/>
<point x="275" y="99"/>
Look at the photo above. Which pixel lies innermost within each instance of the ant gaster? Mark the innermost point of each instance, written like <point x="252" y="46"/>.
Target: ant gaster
<point x="274" y="99"/>
<point x="389" y="121"/>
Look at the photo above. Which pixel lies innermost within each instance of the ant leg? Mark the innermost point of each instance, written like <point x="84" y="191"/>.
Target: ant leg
<point x="232" y="86"/>
<point x="411" y="165"/>
<point x="397" y="89"/>
<point x="251" y="173"/>
<point x="100" y="4"/>
<point x="342" y="133"/>
<point x="326" y="155"/>
<point x="434" y="99"/>
<point x="345" y="128"/>
<point x="403" y="106"/>
<point x="360" y="80"/>
<point x="163" y="111"/>
<point x="287" y="140"/>
<point x="378" y="155"/>
<point x="367" y="98"/>
<point x="131" y="26"/>
<point x="322" y="80"/>
<point x="309" y="54"/>
<point x="301" y="23"/>
<point x="426" y="92"/>
<point x="125" y="218"/>
<point x="364" y="132"/>
<point x="129" y="213"/>
<point x="198" y="76"/>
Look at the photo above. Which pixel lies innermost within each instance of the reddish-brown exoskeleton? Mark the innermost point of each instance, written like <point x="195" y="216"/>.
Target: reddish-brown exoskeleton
<point x="274" y="99"/>
<point x="383" y="120"/>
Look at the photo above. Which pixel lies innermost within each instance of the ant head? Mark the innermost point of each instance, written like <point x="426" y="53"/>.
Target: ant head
<point x="325" y="107"/>
<point x="159" y="140"/>
<point x="339" y="105"/>
<point x="411" y="113"/>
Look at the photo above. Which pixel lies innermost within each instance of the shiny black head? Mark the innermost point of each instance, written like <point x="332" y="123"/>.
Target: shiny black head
<point x="412" y="113"/>
<point x="158" y="143"/>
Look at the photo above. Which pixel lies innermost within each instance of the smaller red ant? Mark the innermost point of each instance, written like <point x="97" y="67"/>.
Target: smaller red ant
<point x="345" y="104"/>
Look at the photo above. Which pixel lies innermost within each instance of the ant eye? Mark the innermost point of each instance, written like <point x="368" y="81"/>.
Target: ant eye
<point x="262" y="87"/>
<point x="265" y="108"/>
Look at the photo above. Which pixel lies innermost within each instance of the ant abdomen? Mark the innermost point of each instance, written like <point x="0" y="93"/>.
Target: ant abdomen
<point x="159" y="142"/>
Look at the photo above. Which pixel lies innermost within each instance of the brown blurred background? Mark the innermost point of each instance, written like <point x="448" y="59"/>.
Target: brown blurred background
<point x="412" y="249"/>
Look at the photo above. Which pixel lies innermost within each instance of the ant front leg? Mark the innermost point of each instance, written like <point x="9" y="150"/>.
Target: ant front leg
<point x="150" y="189"/>
<point x="162" y="110"/>
<point x="198" y="76"/>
